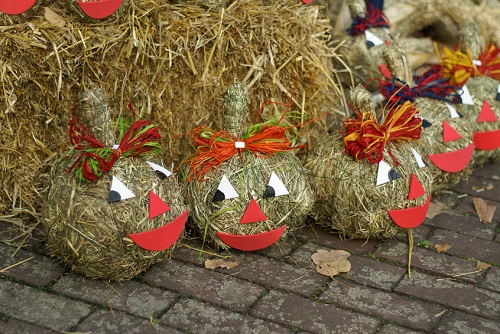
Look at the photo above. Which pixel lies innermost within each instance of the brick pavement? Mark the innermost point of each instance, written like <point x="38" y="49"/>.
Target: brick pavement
<point x="277" y="290"/>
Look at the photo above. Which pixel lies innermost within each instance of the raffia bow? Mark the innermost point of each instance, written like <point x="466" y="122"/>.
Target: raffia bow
<point x="459" y="66"/>
<point x="213" y="148"/>
<point x="431" y="84"/>
<point x="137" y="138"/>
<point x="365" y="138"/>
<point x="374" y="19"/>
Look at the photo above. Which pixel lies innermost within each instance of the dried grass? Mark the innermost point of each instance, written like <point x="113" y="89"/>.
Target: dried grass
<point x="173" y="61"/>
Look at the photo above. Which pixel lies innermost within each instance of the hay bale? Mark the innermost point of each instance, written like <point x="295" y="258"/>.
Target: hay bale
<point x="92" y="236"/>
<point x="173" y="61"/>
<point x="249" y="172"/>
<point x="348" y="201"/>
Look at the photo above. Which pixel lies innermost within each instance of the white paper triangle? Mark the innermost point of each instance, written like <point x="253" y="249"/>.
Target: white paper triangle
<point x="453" y="111"/>
<point x="119" y="191"/>
<point x="158" y="168"/>
<point x="372" y="38"/>
<point x="466" y="97"/>
<point x="225" y="190"/>
<point x="385" y="173"/>
<point x="275" y="187"/>
<point x="418" y="158"/>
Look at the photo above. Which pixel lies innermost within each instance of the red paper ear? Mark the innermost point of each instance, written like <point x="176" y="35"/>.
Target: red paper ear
<point x="416" y="189"/>
<point x="156" y="205"/>
<point x="486" y="114"/>
<point x="449" y="133"/>
<point x="253" y="213"/>
<point x="15" y="7"/>
<point x="100" y="9"/>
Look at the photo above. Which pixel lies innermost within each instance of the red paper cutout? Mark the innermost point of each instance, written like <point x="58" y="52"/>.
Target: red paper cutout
<point x="386" y="72"/>
<point x="449" y="133"/>
<point x="486" y="114"/>
<point x="163" y="237"/>
<point x="156" y="205"/>
<point x="487" y="140"/>
<point x="410" y="217"/>
<point x="15" y="7"/>
<point x="416" y="189"/>
<point x="253" y="241"/>
<point x="453" y="162"/>
<point x="100" y="9"/>
<point x="307" y="2"/>
<point x="253" y="213"/>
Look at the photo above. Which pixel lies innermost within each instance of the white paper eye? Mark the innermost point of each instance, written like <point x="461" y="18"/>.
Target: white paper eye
<point x="225" y="190"/>
<point x="386" y="173"/>
<point x="119" y="191"/>
<point x="418" y="158"/>
<point x="275" y="187"/>
<point x="162" y="172"/>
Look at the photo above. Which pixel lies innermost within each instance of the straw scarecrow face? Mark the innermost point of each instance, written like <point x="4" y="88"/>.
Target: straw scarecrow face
<point x="489" y="139"/>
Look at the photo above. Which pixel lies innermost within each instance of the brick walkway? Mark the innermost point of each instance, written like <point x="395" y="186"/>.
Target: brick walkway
<point x="278" y="290"/>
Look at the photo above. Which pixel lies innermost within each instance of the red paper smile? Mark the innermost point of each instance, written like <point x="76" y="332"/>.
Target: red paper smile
<point x="100" y="9"/>
<point x="163" y="237"/>
<point x="487" y="140"/>
<point x="14" y="7"/>
<point x="253" y="241"/>
<point x="410" y="217"/>
<point x="453" y="162"/>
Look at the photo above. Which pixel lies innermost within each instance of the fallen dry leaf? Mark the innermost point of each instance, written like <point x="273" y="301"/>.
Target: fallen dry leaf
<point x="331" y="263"/>
<point x="442" y="247"/>
<point x="482" y="265"/>
<point x="54" y="18"/>
<point x="484" y="210"/>
<point x="435" y="208"/>
<point x="220" y="263"/>
<point x="483" y="188"/>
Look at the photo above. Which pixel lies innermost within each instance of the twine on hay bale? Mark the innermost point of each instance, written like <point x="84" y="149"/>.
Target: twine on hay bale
<point x="173" y="61"/>
<point x="432" y="108"/>
<point x="249" y="171"/>
<point x="89" y="234"/>
<point x="348" y="201"/>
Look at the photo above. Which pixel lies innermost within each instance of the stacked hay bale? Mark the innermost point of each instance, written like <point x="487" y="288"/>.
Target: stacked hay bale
<point x="173" y="61"/>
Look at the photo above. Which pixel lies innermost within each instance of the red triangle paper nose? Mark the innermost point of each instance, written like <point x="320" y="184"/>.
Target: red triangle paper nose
<point x="156" y="205"/>
<point x="253" y="213"/>
<point x="449" y="133"/>
<point x="486" y="114"/>
<point x="416" y="189"/>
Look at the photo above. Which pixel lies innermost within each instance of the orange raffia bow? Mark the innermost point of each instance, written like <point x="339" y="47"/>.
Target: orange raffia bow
<point x="459" y="66"/>
<point x="365" y="138"/>
<point x="213" y="148"/>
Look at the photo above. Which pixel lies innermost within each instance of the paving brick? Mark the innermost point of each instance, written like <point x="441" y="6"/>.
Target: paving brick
<point x="276" y="274"/>
<point x="218" y="288"/>
<point x="308" y="315"/>
<point x="469" y="225"/>
<point x="452" y="294"/>
<point x="319" y="236"/>
<point x="467" y="207"/>
<point x="462" y="323"/>
<point x="280" y="249"/>
<point x="198" y="317"/>
<point x="492" y="280"/>
<point x="39" y="270"/>
<point x="394" y="329"/>
<point x="129" y="296"/>
<point x="419" y="233"/>
<point x="466" y="187"/>
<point x="40" y="308"/>
<point x="104" y="321"/>
<point x="12" y="234"/>
<point x="461" y="245"/>
<point x="449" y="198"/>
<point x="489" y="172"/>
<point x="14" y="326"/>
<point x="363" y="270"/>
<point x="403" y="310"/>
<point x="430" y="260"/>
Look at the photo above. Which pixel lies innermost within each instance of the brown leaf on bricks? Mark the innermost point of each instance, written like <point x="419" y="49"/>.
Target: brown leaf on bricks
<point x="220" y="263"/>
<point x="484" y="210"/>
<point x="482" y="265"/>
<point x="435" y="208"/>
<point x="442" y="247"/>
<point x="331" y="263"/>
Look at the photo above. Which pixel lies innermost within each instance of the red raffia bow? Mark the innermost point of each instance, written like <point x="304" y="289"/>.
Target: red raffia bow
<point x="459" y="66"/>
<point x="374" y="19"/>
<point x="213" y="148"/>
<point x="140" y="138"/>
<point x="365" y="138"/>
